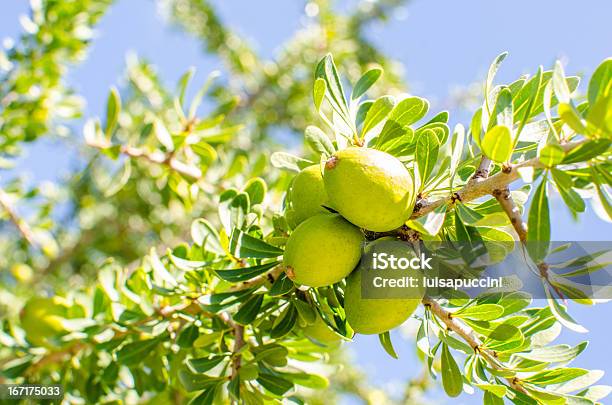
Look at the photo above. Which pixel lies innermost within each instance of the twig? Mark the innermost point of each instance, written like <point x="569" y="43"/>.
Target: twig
<point x="480" y="187"/>
<point x="483" y="169"/>
<point x="504" y="198"/>
<point x="157" y="157"/>
<point x="470" y="337"/>
<point x="19" y="223"/>
<point x="270" y="277"/>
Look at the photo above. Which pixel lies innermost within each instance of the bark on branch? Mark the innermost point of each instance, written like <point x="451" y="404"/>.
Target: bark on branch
<point x="23" y="228"/>
<point x="158" y="157"/>
<point x="470" y="337"/>
<point x="479" y="187"/>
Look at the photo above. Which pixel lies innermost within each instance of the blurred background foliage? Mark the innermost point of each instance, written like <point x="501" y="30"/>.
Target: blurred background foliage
<point x="133" y="186"/>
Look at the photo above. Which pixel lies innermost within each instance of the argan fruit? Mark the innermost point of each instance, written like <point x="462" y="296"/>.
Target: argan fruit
<point x="369" y="188"/>
<point x="320" y="332"/>
<point x="377" y="315"/>
<point x="41" y="319"/>
<point x="22" y="273"/>
<point x="322" y="250"/>
<point x="306" y="196"/>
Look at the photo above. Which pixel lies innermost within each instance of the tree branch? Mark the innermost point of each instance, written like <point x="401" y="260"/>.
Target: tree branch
<point x="504" y="198"/>
<point x="470" y="338"/>
<point x="483" y="168"/>
<point x="478" y="187"/>
<point x="19" y="223"/>
<point x="157" y="157"/>
<point x="271" y="276"/>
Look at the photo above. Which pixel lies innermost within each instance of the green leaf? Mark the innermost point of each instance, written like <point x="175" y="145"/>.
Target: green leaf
<point x="476" y="127"/>
<point x="160" y="273"/>
<point x="318" y="141"/>
<point x="281" y="286"/>
<point x="385" y="341"/>
<point x="599" y="85"/>
<point x="502" y="111"/>
<point x="451" y="375"/>
<point x="495" y="389"/>
<point x="282" y="160"/>
<point x="246" y="246"/>
<point x="326" y="70"/>
<point x="490" y="76"/>
<point x="206" y="397"/>
<point x="307" y="313"/>
<point x="555" y="376"/>
<point x="285" y="322"/>
<point x="205" y="235"/>
<point x="187" y="336"/>
<point x="318" y="92"/>
<point x="244" y="273"/>
<point x="365" y="82"/>
<point x="377" y="112"/>
<point x="113" y="108"/>
<point x="441" y="117"/>
<point x="256" y="189"/>
<point x="312" y="381"/>
<point x="135" y="352"/>
<point x="491" y="399"/>
<point x="525" y="100"/>
<point x="203" y="364"/>
<point x="601" y="192"/>
<point x="274" y="384"/>
<point x="362" y="111"/>
<point x="551" y="155"/>
<point x="409" y="110"/>
<point x="16" y="367"/>
<point x="249" y="309"/>
<point x="561" y="314"/>
<point x="197" y="99"/>
<point x="468" y="216"/>
<point x="538" y="224"/>
<point x="570" y="116"/>
<point x="483" y="312"/>
<point x="196" y="382"/>
<point x="119" y="180"/>
<point x="457" y="144"/>
<point x="238" y="209"/>
<point x="554" y="354"/>
<point x="427" y="148"/>
<point x="587" y="151"/>
<point x="272" y="353"/>
<point x="497" y="144"/>
<point x="162" y="134"/>
<point x="560" y="87"/>
<point x="183" y="83"/>
<point x="431" y="223"/>
<point x="565" y="187"/>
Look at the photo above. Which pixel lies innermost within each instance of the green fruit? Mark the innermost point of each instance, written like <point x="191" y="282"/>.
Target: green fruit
<point x="322" y="250"/>
<point x="370" y="188"/>
<point x="306" y="196"/>
<point x="377" y="315"/>
<point x="22" y="273"/>
<point x="42" y="319"/>
<point x="320" y="332"/>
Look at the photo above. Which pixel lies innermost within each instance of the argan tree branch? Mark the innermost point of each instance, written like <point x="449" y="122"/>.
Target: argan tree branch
<point x="19" y="223"/>
<point x="159" y="158"/>
<point x="504" y="198"/>
<point x="470" y="337"/>
<point x="479" y="187"/>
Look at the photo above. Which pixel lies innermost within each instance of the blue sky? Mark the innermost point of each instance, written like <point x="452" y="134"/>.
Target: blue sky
<point x="442" y="44"/>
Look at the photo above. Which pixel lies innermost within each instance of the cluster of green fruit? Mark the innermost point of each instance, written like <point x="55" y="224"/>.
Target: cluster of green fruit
<point x="370" y="190"/>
